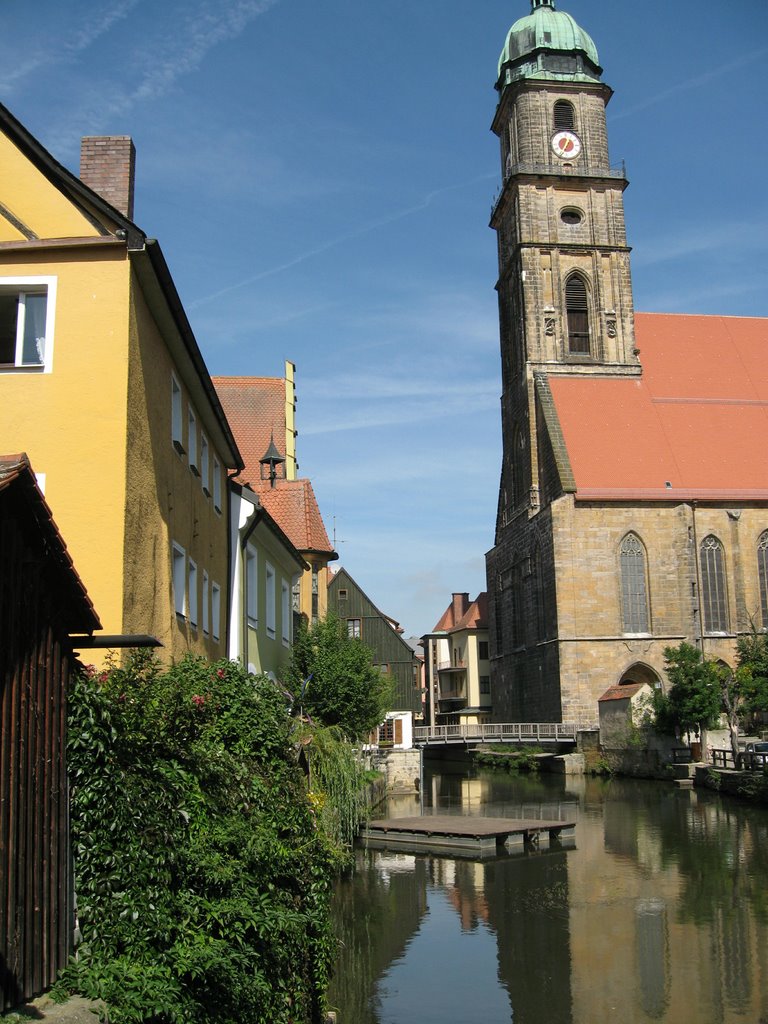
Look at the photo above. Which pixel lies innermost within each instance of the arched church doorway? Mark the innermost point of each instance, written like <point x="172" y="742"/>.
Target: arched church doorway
<point x="640" y="673"/>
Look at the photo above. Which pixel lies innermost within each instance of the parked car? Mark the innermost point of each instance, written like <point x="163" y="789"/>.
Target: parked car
<point x="757" y="754"/>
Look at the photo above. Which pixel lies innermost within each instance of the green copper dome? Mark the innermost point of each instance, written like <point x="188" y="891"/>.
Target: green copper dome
<point x="548" y="44"/>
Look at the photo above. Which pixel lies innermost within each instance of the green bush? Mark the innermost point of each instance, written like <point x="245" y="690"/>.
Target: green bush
<point x="202" y="875"/>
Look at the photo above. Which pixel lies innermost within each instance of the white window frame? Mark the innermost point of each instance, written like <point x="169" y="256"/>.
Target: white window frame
<point x="287" y="614"/>
<point x="216" y="611"/>
<point x="22" y="286"/>
<point x="251" y="586"/>
<point x="192" y="590"/>
<point x="205" y="465"/>
<point x="270" y="609"/>
<point x="216" y="485"/>
<point x="179" y="577"/>
<point x="192" y="440"/>
<point x="206" y="606"/>
<point x="177" y="438"/>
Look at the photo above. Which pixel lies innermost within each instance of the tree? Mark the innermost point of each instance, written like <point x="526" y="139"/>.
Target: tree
<point x="735" y="691"/>
<point x="694" y="700"/>
<point x="752" y="652"/>
<point x="333" y="678"/>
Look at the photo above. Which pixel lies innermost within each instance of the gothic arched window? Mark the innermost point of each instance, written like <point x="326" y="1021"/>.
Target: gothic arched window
<point x="762" y="575"/>
<point x="563" y="115"/>
<point x="634" y="585"/>
<point x="577" y="313"/>
<point x="714" y="594"/>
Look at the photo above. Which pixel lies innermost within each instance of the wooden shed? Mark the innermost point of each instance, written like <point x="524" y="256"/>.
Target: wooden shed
<point x="42" y="601"/>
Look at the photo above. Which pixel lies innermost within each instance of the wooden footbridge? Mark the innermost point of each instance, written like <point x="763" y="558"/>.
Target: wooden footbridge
<point x="495" y="732"/>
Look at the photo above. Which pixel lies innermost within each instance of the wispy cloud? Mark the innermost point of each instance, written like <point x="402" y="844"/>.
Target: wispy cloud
<point x="372" y="414"/>
<point x="172" y="58"/>
<point x="177" y="48"/>
<point x="696" y="82"/>
<point x="79" y="39"/>
<point x="347" y="236"/>
<point x="687" y="241"/>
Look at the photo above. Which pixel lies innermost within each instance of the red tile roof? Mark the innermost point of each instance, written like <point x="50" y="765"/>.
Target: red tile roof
<point x="255" y="409"/>
<point x="696" y="419"/>
<point x="623" y="691"/>
<point x="292" y="504"/>
<point x="474" y="617"/>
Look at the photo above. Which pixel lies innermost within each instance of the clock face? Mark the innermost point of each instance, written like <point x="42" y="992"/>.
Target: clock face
<point x="566" y="144"/>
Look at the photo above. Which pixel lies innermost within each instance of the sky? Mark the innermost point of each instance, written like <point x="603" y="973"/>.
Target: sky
<point x="320" y="176"/>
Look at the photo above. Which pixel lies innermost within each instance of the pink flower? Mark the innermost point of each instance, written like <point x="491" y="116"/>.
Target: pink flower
<point x="220" y="673"/>
<point x="103" y="676"/>
<point x="198" y="701"/>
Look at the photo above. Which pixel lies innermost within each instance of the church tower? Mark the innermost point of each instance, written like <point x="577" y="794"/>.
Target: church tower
<point x="565" y="295"/>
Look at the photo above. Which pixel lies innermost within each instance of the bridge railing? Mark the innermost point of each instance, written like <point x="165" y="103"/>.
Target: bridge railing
<point x="497" y="732"/>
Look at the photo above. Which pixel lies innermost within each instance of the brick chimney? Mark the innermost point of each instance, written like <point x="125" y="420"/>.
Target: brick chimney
<point x="107" y="165"/>
<point x="460" y="604"/>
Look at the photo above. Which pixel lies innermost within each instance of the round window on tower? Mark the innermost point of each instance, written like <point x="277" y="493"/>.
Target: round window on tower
<point x="571" y="216"/>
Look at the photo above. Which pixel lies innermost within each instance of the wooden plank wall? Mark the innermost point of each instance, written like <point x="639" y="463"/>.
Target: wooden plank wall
<point x="36" y="903"/>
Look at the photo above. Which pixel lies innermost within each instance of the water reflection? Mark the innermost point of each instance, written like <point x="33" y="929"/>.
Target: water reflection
<point x="658" y="914"/>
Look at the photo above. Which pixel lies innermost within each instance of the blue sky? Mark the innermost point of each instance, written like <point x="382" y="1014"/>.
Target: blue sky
<point x="320" y="176"/>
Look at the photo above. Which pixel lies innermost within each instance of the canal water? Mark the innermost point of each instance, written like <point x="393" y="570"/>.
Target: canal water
<point x="657" y="913"/>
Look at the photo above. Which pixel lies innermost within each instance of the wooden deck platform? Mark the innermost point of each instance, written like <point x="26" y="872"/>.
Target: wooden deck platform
<point x="447" y="832"/>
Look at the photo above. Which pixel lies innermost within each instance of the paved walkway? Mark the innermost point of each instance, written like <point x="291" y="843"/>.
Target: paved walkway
<point x="75" y="1011"/>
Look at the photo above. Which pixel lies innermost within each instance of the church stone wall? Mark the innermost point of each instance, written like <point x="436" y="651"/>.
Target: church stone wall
<point x="554" y="659"/>
<point x="594" y="652"/>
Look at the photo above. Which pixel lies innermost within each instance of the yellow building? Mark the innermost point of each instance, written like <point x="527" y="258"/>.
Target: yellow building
<point x="103" y="385"/>
<point x="457" y="664"/>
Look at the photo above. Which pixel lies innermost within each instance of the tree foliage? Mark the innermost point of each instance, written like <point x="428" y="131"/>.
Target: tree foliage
<point x="201" y="874"/>
<point x="693" y="701"/>
<point x="334" y="680"/>
<point x="752" y="651"/>
<point x="702" y="690"/>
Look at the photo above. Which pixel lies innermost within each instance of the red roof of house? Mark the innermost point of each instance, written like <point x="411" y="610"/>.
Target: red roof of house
<point x="292" y="504"/>
<point x="697" y="419"/>
<point x="468" y="615"/>
<point x="623" y="691"/>
<point x="255" y="409"/>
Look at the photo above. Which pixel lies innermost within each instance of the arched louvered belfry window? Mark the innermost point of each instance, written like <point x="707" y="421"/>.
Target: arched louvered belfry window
<point x="714" y="593"/>
<point x="762" y="575"/>
<point x="577" y="314"/>
<point x="563" y="116"/>
<point x="634" y="585"/>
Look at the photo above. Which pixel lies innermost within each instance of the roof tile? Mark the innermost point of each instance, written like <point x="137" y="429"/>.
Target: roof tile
<point x="697" y="419"/>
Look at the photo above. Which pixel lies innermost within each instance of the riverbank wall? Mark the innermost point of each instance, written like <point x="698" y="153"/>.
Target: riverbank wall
<point x="401" y="769"/>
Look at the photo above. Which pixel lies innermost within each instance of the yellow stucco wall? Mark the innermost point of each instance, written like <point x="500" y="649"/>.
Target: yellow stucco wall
<point x="270" y="653"/>
<point x="72" y="420"/>
<point x="165" y="500"/>
<point x="28" y="195"/>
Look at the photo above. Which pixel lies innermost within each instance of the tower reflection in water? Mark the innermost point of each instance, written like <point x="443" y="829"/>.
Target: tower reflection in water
<point x="658" y="914"/>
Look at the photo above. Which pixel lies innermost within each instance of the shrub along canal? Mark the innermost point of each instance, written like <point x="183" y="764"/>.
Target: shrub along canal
<point x="658" y="912"/>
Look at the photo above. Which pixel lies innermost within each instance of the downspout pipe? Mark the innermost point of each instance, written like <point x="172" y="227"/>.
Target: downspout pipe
<point x="699" y="596"/>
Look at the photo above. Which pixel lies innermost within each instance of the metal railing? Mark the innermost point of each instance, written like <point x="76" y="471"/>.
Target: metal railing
<point x="748" y="761"/>
<point x="497" y="732"/>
